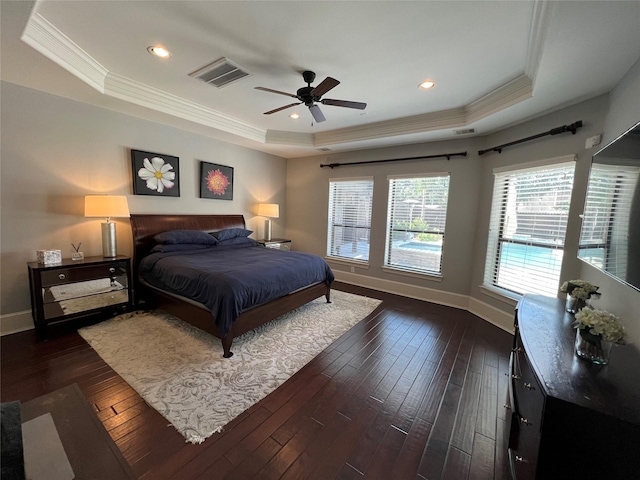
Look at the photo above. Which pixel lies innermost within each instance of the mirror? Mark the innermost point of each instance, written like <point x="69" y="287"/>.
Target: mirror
<point x="610" y="235"/>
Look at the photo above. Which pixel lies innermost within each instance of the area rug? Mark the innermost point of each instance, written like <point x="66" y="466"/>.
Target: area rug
<point x="179" y="370"/>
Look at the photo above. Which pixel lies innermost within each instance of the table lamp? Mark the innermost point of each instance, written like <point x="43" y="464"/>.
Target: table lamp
<point x="107" y="206"/>
<point x="268" y="210"/>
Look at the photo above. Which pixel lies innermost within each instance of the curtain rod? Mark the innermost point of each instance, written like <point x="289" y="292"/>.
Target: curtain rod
<point x="554" y="131"/>
<point x="447" y="155"/>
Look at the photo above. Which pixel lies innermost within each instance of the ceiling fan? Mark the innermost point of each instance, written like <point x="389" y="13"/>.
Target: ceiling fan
<point x="310" y="95"/>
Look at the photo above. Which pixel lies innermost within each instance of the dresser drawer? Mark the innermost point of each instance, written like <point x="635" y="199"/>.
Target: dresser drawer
<point x="528" y="396"/>
<point x="528" y="405"/>
<point x="60" y="276"/>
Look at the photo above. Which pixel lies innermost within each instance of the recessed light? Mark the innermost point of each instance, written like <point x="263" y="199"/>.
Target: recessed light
<point x="427" y="84"/>
<point x="159" y="51"/>
<point x="295" y="116"/>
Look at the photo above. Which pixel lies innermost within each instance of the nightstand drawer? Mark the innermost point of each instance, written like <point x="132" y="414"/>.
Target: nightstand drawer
<point x="61" y="276"/>
<point x="72" y="306"/>
<point x="276" y="243"/>
<point x="68" y="291"/>
<point x="279" y="246"/>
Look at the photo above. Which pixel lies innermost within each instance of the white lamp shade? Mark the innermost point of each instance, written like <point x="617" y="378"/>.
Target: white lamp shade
<point x="270" y="210"/>
<point x="106" y="206"/>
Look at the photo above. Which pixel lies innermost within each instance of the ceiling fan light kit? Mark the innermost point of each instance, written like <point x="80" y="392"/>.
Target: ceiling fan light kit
<point x="310" y="96"/>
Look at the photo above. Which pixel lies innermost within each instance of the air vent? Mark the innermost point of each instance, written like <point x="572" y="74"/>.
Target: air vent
<point x="324" y="149"/>
<point x="466" y="131"/>
<point x="220" y="73"/>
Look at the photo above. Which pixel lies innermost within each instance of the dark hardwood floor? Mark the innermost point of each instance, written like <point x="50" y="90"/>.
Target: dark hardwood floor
<point x="414" y="391"/>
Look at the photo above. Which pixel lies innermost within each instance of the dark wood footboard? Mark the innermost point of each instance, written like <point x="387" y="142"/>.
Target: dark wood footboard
<point x="201" y="317"/>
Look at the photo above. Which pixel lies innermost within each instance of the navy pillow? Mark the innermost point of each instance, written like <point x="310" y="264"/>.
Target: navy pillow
<point x="179" y="247"/>
<point x="238" y="241"/>
<point x="196" y="237"/>
<point x="229" y="233"/>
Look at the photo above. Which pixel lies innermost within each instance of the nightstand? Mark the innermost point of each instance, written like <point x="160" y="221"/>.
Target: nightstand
<point x="91" y="288"/>
<point x="277" y="243"/>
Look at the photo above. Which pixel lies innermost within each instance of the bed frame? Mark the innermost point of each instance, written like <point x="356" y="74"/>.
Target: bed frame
<point x="144" y="227"/>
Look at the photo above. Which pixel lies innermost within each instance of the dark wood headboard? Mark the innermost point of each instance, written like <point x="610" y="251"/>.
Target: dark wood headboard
<point x="144" y="227"/>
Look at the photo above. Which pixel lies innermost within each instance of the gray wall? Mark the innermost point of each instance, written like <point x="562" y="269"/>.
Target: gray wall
<point x="55" y="151"/>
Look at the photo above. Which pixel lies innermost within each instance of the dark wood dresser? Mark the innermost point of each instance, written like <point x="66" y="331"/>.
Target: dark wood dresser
<point x="570" y="418"/>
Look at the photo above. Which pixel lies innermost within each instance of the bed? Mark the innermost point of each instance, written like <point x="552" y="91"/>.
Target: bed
<point x="262" y="308"/>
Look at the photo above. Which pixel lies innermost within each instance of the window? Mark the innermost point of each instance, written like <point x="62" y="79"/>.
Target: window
<point x="349" y="229"/>
<point x="527" y="228"/>
<point x="416" y="217"/>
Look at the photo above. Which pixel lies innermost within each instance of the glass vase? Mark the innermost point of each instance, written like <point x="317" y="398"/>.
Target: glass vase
<point x="574" y="305"/>
<point x="592" y="347"/>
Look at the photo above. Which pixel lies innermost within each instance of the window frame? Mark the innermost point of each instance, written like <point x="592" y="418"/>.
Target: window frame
<point x="388" y="264"/>
<point x="496" y="239"/>
<point x="332" y="224"/>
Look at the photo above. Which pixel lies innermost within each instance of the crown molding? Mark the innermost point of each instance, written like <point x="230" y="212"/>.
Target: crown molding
<point x="283" y="137"/>
<point x="515" y="91"/>
<point x="400" y="126"/>
<point x="44" y="37"/>
<point x="537" y="36"/>
<point x="138" y="93"/>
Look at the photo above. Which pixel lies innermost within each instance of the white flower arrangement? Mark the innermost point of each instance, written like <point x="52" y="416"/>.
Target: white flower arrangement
<point x="580" y="289"/>
<point x="599" y="322"/>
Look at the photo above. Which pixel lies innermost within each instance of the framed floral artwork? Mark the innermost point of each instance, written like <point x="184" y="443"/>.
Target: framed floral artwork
<point x="155" y="174"/>
<point x="216" y="181"/>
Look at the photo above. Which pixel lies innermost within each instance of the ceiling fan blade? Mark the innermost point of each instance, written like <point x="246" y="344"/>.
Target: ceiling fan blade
<point x="275" y="91"/>
<point x="344" y="103"/>
<point x="282" y="108"/>
<point x="326" y="85"/>
<point x="317" y="113"/>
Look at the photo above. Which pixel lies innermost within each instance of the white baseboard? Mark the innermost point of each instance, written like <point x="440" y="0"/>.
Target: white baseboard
<point x="15" y="322"/>
<point x="464" y="302"/>
<point x="492" y="314"/>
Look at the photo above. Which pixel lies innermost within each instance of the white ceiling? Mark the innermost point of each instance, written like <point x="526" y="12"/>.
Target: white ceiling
<point x="496" y="63"/>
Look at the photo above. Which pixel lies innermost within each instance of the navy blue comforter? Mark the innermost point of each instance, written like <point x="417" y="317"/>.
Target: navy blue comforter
<point x="229" y="281"/>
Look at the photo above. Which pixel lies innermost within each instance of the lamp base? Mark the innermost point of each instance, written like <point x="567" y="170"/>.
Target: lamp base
<point x="109" y="248"/>
<point x="267" y="229"/>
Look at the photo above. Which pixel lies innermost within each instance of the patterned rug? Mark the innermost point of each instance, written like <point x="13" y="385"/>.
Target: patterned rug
<point x="179" y="370"/>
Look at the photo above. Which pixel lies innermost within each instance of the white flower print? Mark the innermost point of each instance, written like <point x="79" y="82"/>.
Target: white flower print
<point x="157" y="174"/>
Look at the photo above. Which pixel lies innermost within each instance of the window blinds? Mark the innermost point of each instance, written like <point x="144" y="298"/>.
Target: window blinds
<point x="349" y="228"/>
<point x="527" y="229"/>
<point x="416" y="218"/>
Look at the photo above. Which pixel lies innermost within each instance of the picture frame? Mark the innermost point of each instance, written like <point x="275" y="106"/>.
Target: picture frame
<point x="155" y="174"/>
<point x="216" y="181"/>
